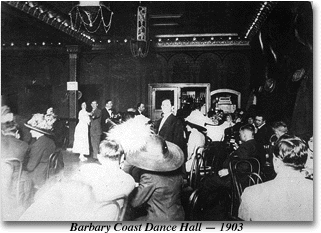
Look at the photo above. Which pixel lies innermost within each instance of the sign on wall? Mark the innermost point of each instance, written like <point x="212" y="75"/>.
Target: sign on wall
<point x="72" y="86"/>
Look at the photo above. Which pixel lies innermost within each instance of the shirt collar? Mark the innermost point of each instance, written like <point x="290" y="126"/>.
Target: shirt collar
<point x="261" y="126"/>
<point x="166" y="115"/>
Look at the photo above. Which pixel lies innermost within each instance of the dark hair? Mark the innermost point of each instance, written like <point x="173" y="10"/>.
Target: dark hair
<point x="281" y="126"/>
<point x="293" y="152"/>
<point x="138" y="105"/>
<point x="261" y="115"/>
<point x="248" y="117"/>
<point x="229" y="114"/>
<point x="196" y="106"/>
<point x="278" y="124"/>
<point x="248" y="127"/>
<point x="210" y="114"/>
<point x="128" y="115"/>
<point x="108" y="101"/>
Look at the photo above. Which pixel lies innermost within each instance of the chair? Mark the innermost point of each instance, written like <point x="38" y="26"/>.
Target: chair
<point x="213" y="152"/>
<point x="192" y="205"/>
<point x="53" y="164"/>
<point x="244" y="173"/>
<point x="12" y="163"/>
<point x="198" y="169"/>
<point x="121" y="205"/>
<point x="209" y="206"/>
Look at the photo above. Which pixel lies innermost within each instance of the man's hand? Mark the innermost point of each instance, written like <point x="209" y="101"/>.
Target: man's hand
<point x="223" y="172"/>
<point x="235" y="146"/>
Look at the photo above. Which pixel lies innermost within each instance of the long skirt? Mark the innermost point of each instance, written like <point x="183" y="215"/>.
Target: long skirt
<point x="81" y="139"/>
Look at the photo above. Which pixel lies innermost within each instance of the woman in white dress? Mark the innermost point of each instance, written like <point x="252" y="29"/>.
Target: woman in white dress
<point x="81" y="139"/>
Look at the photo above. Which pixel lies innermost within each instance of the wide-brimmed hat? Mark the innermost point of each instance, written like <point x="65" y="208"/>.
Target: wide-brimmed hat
<point x="158" y="155"/>
<point x="40" y="123"/>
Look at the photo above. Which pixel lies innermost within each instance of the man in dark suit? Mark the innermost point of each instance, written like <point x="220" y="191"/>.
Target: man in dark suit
<point x="169" y="127"/>
<point x="106" y="114"/>
<point x="264" y="131"/>
<point x="140" y="109"/>
<point x="248" y="149"/>
<point x="95" y="128"/>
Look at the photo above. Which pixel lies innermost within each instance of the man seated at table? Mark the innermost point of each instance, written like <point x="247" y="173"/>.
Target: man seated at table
<point x="247" y="149"/>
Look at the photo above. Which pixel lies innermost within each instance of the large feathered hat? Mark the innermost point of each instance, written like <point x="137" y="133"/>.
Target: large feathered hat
<point x="41" y="123"/>
<point x="143" y="148"/>
<point x="157" y="155"/>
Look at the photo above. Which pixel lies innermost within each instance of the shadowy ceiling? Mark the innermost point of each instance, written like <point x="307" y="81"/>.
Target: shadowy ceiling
<point x="190" y="17"/>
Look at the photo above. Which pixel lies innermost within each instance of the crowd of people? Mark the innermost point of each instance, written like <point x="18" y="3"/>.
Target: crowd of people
<point x="148" y="163"/>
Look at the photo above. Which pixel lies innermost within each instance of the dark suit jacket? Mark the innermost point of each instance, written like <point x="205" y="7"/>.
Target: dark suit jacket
<point x="264" y="134"/>
<point x="95" y="123"/>
<point x="172" y="131"/>
<point x="39" y="154"/>
<point x="248" y="149"/>
<point x="162" y="192"/>
<point x="137" y="113"/>
<point x="105" y="115"/>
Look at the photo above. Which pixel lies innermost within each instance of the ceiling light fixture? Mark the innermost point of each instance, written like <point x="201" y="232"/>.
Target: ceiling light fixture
<point x="90" y="14"/>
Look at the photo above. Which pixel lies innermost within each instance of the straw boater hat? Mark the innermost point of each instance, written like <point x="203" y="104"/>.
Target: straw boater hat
<point x="158" y="155"/>
<point x="40" y="123"/>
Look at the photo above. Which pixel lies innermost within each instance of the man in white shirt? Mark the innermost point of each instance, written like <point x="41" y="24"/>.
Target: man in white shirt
<point x="169" y="127"/>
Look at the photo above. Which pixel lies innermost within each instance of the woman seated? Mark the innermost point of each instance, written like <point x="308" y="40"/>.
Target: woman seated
<point x="157" y="166"/>
<point x="289" y="196"/>
<point x="228" y="121"/>
<point x="196" y="139"/>
<point x="12" y="149"/>
<point x="82" y="196"/>
<point x="161" y="182"/>
<point x="40" y="126"/>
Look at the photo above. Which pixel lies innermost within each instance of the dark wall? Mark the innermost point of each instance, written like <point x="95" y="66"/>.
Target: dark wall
<point x="283" y="51"/>
<point x="32" y="82"/>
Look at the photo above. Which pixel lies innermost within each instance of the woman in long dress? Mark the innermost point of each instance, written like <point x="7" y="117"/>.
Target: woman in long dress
<point x="81" y="140"/>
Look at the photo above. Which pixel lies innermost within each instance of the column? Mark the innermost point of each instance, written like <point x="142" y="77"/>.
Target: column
<point x="73" y="51"/>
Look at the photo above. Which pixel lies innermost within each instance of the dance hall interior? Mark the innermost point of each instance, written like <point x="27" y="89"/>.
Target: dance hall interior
<point x="157" y="111"/>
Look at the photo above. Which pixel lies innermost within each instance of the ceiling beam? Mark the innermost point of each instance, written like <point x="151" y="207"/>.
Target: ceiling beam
<point x="261" y="15"/>
<point x="52" y="18"/>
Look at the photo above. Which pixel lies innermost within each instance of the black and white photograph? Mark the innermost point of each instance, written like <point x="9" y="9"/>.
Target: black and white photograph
<point x="141" y="114"/>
